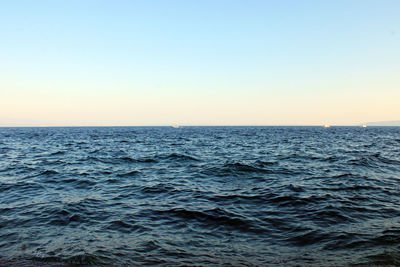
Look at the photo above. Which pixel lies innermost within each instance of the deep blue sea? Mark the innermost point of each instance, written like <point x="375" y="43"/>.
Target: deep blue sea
<point x="217" y="196"/>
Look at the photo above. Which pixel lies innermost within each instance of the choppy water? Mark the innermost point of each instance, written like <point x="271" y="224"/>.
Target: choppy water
<point x="201" y="195"/>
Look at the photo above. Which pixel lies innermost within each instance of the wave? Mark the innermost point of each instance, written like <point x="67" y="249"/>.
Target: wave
<point x="235" y="169"/>
<point x="48" y="172"/>
<point x="177" y="157"/>
<point x="215" y="217"/>
<point x="129" y="174"/>
<point x="172" y="157"/>
<point x="80" y="259"/>
<point x="57" y="153"/>
<point x="126" y="227"/>
<point x="373" y="160"/>
<point x="157" y="189"/>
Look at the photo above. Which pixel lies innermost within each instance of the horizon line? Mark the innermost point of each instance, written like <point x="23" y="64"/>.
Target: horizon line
<point x="193" y="125"/>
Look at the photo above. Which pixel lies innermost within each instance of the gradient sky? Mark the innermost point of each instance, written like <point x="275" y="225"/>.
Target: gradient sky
<point x="217" y="62"/>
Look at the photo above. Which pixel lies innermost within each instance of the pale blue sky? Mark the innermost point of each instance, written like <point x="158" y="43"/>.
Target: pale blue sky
<point x="199" y="62"/>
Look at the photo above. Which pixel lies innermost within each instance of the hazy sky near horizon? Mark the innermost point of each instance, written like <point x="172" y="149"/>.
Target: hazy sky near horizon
<point x="217" y="62"/>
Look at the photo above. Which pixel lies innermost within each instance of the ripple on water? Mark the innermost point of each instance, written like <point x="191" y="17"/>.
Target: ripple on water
<point x="240" y="196"/>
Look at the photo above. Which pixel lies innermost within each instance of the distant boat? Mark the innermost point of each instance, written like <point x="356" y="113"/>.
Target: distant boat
<point x="364" y="126"/>
<point x="175" y="126"/>
<point x="327" y="126"/>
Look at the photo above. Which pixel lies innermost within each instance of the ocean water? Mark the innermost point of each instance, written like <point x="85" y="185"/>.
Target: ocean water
<point x="220" y="196"/>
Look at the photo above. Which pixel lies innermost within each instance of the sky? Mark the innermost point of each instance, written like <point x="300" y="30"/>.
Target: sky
<point x="190" y="62"/>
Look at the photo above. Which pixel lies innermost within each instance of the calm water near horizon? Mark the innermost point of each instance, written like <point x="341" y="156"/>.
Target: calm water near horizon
<point x="241" y="196"/>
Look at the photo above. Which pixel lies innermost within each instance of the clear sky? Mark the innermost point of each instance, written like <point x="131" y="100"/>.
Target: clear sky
<point x="189" y="62"/>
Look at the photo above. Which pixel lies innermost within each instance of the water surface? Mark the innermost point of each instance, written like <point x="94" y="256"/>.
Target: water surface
<point x="240" y="196"/>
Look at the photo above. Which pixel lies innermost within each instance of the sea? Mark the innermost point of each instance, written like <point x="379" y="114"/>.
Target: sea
<point x="199" y="196"/>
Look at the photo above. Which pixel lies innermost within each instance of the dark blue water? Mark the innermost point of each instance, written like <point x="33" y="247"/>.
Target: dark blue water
<point x="239" y="196"/>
